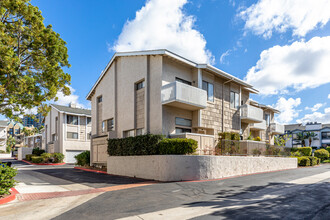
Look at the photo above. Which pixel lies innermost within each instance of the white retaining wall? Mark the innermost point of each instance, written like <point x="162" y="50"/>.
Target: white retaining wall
<point x="5" y="155"/>
<point x="186" y="167"/>
<point x="23" y="151"/>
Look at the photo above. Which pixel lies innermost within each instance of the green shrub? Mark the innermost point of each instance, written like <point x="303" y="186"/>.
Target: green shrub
<point x="177" y="146"/>
<point x="140" y="145"/>
<point x="328" y="149"/>
<point x="322" y="154"/>
<point x="303" y="161"/>
<point x="272" y="150"/>
<point x="37" y="159"/>
<point x="58" y="157"/>
<point x="28" y="157"/>
<point x="257" y="139"/>
<point x="235" y="136"/>
<point x="83" y="158"/>
<point x="296" y="154"/>
<point x="326" y="161"/>
<point x="305" y="151"/>
<point x="294" y="149"/>
<point x="38" y="151"/>
<point x="8" y="149"/>
<point x="2" y="152"/>
<point x="256" y="152"/>
<point x="314" y="160"/>
<point x="46" y="157"/>
<point x="7" y="180"/>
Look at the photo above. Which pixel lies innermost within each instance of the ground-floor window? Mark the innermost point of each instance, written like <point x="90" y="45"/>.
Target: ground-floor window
<point x="139" y="131"/>
<point x="129" y="133"/>
<point x="179" y="130"/>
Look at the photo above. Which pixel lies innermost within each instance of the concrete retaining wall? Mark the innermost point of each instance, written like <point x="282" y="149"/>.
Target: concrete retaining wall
<point x="23" y="151"/>
<point x="5" y="155"/>
<point x="183" y="167"/>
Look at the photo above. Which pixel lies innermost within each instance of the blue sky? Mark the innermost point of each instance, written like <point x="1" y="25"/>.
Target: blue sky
<point x="292" y="74"/>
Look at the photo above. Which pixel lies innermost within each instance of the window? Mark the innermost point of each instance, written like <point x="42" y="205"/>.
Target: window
<point x="129" y="133"/>
<point x="234" y="100"/>
<point x="182" y="81"/>
<point x="89" y="120"/>
<point x="11" y="130"/>
<point x="139" y="131"/>
<point x="182" y="130"/>
<point x="54" y="137"/>
<point x="89" y="136"/>
<point x="110" y="124"/>
<point x="99" y="99"/>
<point x="72" y="119"/>
<point x="267" y="118"/>
<point x="140" y="85"/>
<point x="325" y="135"/>
<point x="208" y="87"/>
<point x="183" y="122"/>
<point x="72" y="135"/>
<point x="103" y="126"/>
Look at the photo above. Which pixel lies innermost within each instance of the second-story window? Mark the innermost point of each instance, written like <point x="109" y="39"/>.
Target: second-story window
<point x="103" y="126"/>
<point x="234" y="100"/>
<point x="89" y="120"/>
<point x="267" y="118"/>
<point x="208" y="87"/>
<point x="99" y="99"/>
<point x="72" y="119"/>
<point x="110" y="124"/>
<point x="139" y="85"/>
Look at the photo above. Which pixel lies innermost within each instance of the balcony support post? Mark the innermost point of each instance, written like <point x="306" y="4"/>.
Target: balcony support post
<point x="200" y="85"/>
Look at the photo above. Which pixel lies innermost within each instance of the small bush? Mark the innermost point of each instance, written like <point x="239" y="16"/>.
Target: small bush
<point x="257" y="139"/>
<point x="326" y="161"/>
<point x="37" y="159"/>
<point x="177" y="146"/>
<point x="303" y="161"/>
<point x="8" y="149"/>
<point x="38" y="151"/>
<point x="314" y="160"/>
<point x="2" y="152"/>
<point x="322" y="154"/>
<point x="28" y="157"/>
<point x="328" y="149"/>
<point x="296" y="154"/>
<point x="7" y="180"/>
<point x="294" y="149"/>
<point x="140" y="145"/>
<point x="305" y="151"/>
<point x="46" y="157"/>
<point x="83" y="158"/>
<point x="58" y="157"/>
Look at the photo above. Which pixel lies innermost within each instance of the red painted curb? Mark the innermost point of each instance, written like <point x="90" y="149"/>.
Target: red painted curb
<point x="44" y="164"/>
<point x="10" y="197"/>
<point x="90" y="170"/>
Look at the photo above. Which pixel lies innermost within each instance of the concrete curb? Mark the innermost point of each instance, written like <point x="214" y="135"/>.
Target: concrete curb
<point x="90" y="170"/>
<point x="44" y="164"/>
<point x="10" y="197"/>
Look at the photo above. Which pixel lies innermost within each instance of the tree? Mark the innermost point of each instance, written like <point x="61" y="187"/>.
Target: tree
<point x="32" y="58"/>
<point x="11" y="142"/>
<point x="280" y="140"/>
<point x="301" y="137"/>
<point x="310" y="136"/>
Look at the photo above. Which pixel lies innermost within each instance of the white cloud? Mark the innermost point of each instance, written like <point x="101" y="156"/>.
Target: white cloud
<point x="301" y="16"/>
<point x="315" y="107"/>
<point x="300" y="65"/>
<point x="329" y="96"/>
<point x="66" y="100"/>
<point x="316" y="117"/>
<point x="225" y="54"/>
<point x="163" y="25"/>
<point x="287" y="108"/>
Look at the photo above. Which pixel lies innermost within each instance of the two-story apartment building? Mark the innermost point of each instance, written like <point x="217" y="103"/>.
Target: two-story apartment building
<point x="3" y="134"/>
<point x="15" y="129"/>
<point x="161" y="92"/>
<point x="67" y="130"/>
<point x="321" y="132"/>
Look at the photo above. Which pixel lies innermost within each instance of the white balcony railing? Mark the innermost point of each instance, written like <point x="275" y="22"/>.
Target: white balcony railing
<point x="184" y="96"/>
<point x="276" y="128"/>
<point x="258" y="126"/>
<point x="251" y="114"/>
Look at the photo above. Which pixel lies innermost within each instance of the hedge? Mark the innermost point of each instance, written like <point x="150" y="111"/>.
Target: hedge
<point x="7" y="180"/>
<point x="323" y="154"/>
<point x="38" y="151"/>
<point x="46" y="156"/>
<point x="83" y="158"/>
<point x="28" y="157"/>
<point x="328" y="149"/>
<point x="304" y="161"/>
<point x="305" y="151"/>
<point x="58" y="157"/>
<point x="177" y="146"/>
<point x="37" y="159"/>
<point x="150" y="144"/>
<point x="314" y="160"/>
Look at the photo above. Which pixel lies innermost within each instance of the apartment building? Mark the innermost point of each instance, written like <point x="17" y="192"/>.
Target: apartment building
<point x="3" y="135"/>
<point x="161" y="92"/>
<point x="67" y="130"/>
<point x="34" y="141"/>
<point x="15" y="129"/>
<point x="33" y="122"/>
<point x="321" y="132"/>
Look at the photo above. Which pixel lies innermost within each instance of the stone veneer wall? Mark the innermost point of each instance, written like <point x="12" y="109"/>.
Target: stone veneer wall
<point x="186" y="167"/>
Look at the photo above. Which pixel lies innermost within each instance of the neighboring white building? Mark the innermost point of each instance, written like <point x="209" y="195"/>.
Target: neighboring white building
<point x="321" y="131"/>
<point x="67" y="130"/>
<point x="3" y="134"/>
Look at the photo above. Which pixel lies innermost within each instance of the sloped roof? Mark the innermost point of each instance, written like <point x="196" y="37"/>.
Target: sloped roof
<point x="67" y="109"/>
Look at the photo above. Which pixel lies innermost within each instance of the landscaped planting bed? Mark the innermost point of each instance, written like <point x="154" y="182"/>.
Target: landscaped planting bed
<point x="39" y="157"/>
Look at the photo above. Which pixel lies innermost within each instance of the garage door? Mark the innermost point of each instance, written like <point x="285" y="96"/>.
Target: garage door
<point x="69" y="157"/>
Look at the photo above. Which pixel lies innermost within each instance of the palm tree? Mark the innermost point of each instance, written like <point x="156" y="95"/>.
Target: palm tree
<point x="301" y="137"/>
<point x="310" y="136"/>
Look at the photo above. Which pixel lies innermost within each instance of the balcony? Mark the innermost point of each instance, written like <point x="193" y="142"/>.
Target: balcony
<point x="183" y="96"/>
<point x="251" y="114"/>
<point x="258" y="126"/>
<point x="276" y="128"/>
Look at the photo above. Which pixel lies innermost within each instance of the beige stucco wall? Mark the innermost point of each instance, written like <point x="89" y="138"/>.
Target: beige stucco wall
<point x="169" y="115"/>
<point x="183" y="167"/>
